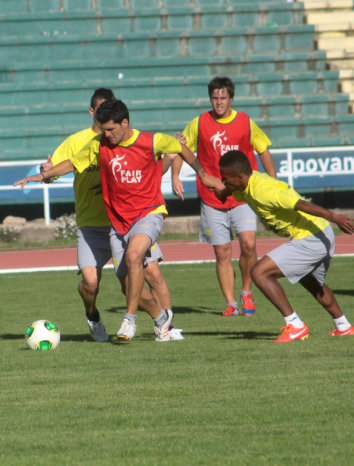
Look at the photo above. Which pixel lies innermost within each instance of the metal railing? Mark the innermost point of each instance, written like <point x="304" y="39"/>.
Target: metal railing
<point x="302" y="168"/>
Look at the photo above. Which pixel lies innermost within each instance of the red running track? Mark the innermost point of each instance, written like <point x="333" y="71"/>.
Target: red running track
<point x="172" y="251"/>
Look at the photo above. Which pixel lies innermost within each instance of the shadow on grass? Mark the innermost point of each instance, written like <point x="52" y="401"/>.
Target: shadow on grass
<point x="66" y="337"/>
<point x="344" y="292"/>
<point x="176" y="310"/>
<point x="246" y="335"/>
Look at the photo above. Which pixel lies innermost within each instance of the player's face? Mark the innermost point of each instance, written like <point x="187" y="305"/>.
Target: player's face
<point x="115" y="132"/>
<point x="230" y="180"/>
<point x="221" y="103"/>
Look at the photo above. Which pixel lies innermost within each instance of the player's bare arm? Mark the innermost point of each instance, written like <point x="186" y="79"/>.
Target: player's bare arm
<point x="344" y="222"/>
<point x="268" y="163"/>
<point x="59" y="170"/>
<point x="213" y="183"/>
<point x="176" y="166"/>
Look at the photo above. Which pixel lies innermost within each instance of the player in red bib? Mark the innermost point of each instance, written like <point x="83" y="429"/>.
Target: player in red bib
<point x="131" y="174"/>
<point x="211" y="135"/>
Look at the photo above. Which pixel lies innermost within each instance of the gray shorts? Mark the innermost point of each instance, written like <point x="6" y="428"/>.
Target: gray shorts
<point x="93" y="246"/>
<point x="150" y="225"/>
<point x="216" y="225"/>
<point x="300" y="257"/>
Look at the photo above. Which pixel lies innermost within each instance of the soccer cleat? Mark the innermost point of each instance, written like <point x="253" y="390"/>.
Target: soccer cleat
<point x="248" y="307"/>
<point x="161" y="332"/>
<point x="231" y="311"/>
<point x="349" y="331"/>
<point x="175" y="333"/>
<point x="127" y="331"/>
<point x="97" y="330"/>
<point x="292" y="333"/>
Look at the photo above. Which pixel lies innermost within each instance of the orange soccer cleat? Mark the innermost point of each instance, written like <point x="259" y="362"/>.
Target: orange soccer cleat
<point x="230" y="311"/>
<point x="349" y="331"/>
<point x="248" y="307"/>
<point x="292" y="333"/>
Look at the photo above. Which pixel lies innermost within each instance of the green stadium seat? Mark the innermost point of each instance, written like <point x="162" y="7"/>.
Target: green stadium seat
<point x="143" y="4"/>
<point x="103" y="5"/>
<point x="19" y="6"/>
<point x="45" y="6"/>
<point x="232" y="43"/>
<point x="76" y="5"/>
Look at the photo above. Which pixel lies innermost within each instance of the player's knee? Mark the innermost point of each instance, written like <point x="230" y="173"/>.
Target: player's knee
<point x="89" y="286"/>
<point x="256" y="274"/>
<point x="223" y="253"/>
<point x="133" y="259"/>
<point x="248" y="247"/>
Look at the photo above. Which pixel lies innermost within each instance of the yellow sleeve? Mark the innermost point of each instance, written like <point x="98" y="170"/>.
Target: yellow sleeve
<point x="191" y="133"/>
<point x="259" y="140"/>
<point x="165" y="144"/>
<point x="88" y="155"/>
<point x="63" y="152"/>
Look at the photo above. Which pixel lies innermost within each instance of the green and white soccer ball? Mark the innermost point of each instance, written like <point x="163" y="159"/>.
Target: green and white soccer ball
<point x="42" y="335"/>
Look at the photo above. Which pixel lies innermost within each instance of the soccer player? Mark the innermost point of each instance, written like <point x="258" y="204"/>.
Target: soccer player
<point x="211" y="135"/>
<point x="131" y="172"/>
<point x="305" y="258"/>
<point x="93" y="247"/>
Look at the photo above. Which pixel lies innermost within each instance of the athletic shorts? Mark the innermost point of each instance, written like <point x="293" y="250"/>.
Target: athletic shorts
<point x="216" y="225"/>
<point x="310" y="255"/>
<point x="150" y="225"/>
<point x="93" y="246"/>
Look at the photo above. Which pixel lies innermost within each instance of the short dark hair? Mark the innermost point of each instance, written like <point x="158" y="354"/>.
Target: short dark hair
<point x="222" y="82"/>
<point x="236" y="161"/>
<point x="101" y="93"/>
<point x="114" y="110"/>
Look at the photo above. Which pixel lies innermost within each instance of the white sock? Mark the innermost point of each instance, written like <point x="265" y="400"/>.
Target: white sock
<point x="342" y="323"/>
<point x="294" y="320"/>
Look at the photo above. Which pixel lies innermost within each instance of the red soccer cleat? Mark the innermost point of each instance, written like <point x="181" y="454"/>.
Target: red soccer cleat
<point x="292" y="333"/>
<point x="248" y="307"/>
<point x="230" y="311"/>
<point x="349" y="331"/>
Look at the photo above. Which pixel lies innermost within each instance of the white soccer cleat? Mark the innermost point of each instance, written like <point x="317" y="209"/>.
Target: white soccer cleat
<point x="161" y="331"/>
<point x="127" y="330"/>
<point x="176" y="334"/>
<point x="97" y="330"/>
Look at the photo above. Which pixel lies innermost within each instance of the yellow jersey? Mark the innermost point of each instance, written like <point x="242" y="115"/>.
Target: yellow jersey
<point x="274" y="201"/>
<point x="89" y="206"/>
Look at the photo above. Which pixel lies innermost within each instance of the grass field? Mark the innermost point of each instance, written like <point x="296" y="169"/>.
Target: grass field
<point x="226" y="395"/>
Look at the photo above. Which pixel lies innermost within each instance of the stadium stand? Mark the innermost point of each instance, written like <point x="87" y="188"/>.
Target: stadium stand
<point x="158" y="57"/>
<point x="334" y="20"/>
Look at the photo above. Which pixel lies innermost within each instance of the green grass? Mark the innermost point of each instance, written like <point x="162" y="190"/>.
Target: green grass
<point x="224" y="395"/>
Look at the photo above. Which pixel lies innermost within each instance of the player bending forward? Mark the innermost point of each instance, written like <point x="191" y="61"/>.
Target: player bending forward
<point x="305" y="258"/>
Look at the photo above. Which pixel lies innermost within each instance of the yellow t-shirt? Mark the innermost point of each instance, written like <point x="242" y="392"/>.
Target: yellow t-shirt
<point x="273" y="201"/>
<point x="89" y="205"/>
<point x="88" y="157"/>
<point x="259" y="140"/>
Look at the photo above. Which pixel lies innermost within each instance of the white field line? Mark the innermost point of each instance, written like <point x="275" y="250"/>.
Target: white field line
<point x="110" y="266"/>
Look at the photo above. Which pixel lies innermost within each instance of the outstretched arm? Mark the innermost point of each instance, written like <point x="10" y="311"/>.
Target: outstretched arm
<point x="344" y="222"/>
<point x="58" y="170"/>
<point x="214" y="184"/>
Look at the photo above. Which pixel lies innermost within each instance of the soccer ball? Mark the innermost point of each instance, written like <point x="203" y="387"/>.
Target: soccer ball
<point x="42" y="335"/>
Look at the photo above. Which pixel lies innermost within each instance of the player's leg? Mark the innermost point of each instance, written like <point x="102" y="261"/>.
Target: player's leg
<point x="244" y="222"/>
<point x="93" y="252"/>
<point x="324" y="295"/>
<point x="226" y="275"/>
<point x="215" y="229"/>
<point x="265" y="275"/>
<point x="137" y="243"/>
<point x="146" y="301"/>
